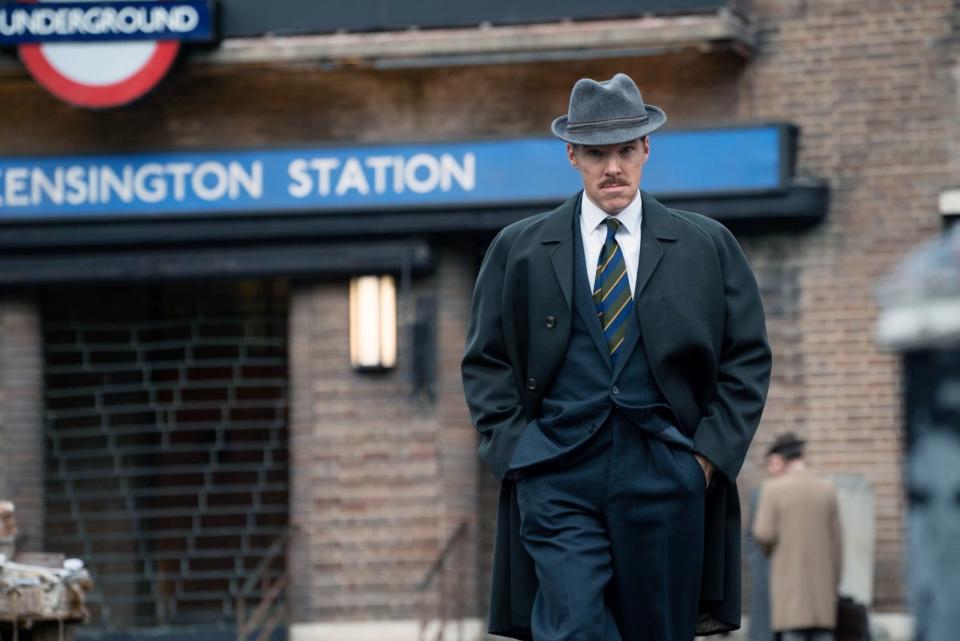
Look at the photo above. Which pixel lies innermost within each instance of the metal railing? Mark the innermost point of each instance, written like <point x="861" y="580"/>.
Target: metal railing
<point x="271" y="611"/>
<point x="450" y="603"/>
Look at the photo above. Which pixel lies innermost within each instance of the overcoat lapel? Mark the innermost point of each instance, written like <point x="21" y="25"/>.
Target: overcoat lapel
<point x="656" y="226"/>
<point x="558" y="232"/>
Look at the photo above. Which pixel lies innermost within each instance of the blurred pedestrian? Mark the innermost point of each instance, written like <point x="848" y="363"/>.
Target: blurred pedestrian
<point x="798" y="523"/>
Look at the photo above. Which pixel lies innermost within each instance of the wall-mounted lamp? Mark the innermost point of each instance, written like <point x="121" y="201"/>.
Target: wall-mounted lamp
<point x="373" y="322"/>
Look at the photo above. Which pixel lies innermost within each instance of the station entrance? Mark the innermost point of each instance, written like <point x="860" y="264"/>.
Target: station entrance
<point x="165" y="417"/>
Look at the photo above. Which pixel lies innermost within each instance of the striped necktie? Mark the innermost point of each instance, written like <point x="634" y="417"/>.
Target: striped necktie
<point x="611" y="290"/>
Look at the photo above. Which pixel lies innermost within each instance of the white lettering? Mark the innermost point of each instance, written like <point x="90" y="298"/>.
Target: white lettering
<point x="323" y="167"/>
<point x="414" y="182"/>
<point x="179" y="171"/>
<point x="465" y="174"/>
<point x="186" y="19"/>
<point x="127" y="21"/>
<point x="22" y="22"/>
<point x="92" y="21"/>
<point x="379" y="164"/>
<point x="76" y="187"/>
<point x="46" y="21"/>
<point x="94" y="179"/>
<point x="149" y="184"/>
<point x="41" y="184"/>
<point x="251" y="182"/>
<point x="43" y="23"/>
<point x="15" y="187"/>
<point x="352" y="178"/>
<point x="219" y="174"/>
<point x="60" y="17"/>
<point x="108" y="20"/>
<point x="297" y="170"/>
<point x="6" y="23"/>
<point x="242" y="179"/>
<point x="398" y="174"/>
<point x="111" y="182"/>
<point x="75" y="21"/>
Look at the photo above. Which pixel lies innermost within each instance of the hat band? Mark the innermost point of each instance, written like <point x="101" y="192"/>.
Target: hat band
<point x="608" y="123"/>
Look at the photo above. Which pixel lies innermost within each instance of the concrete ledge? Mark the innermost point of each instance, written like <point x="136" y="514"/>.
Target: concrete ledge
<point x="892" y="626"/>
<point x="920" y="323"/>
<point x="493" y="44"/>
<point x="886" y="626"/>
<point x="413" y="48"/>
<point x="396" y="630"/>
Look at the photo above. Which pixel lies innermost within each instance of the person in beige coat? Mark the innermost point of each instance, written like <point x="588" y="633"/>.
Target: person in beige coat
<point x="798" y="524"/>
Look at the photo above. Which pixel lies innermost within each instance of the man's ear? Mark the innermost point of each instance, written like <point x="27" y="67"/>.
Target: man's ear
<point x="572" y="157"/>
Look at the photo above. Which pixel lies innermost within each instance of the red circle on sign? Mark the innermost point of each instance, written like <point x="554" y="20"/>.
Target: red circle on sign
<point x="99" y="96"/>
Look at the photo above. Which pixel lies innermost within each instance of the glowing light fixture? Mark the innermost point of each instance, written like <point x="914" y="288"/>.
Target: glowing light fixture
<point x="373" y="322"/>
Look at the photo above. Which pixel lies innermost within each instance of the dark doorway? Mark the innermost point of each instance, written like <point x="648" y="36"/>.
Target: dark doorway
<point x="166" y="433"/>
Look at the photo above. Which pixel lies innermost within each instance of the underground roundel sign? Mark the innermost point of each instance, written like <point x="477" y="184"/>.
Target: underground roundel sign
<point x="102" y="54"/>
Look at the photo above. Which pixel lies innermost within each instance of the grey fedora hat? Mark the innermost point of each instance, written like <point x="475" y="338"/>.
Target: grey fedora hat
<point x="607" y="113"/>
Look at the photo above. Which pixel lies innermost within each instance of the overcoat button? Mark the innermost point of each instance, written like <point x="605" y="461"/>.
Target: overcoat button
<point x="615" y="390"/>
<point x="531" y="383"/>
<point x="551" y="322"/>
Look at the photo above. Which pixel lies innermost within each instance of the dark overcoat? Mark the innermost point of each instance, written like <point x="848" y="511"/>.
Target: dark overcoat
<point x="703" y="328"/>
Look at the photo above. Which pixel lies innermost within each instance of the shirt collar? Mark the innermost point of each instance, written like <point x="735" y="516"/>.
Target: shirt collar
<point x="629" y="218"/>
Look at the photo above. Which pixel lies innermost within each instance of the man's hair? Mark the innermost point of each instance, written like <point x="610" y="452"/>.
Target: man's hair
<point x="792" y="454"/>
<point x="577" y="145"/>
<point x="788" y="445"/>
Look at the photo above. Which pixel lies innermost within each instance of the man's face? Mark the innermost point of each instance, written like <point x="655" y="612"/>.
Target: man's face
<point x="611" y="173"/>
<point x="776" y="464"/>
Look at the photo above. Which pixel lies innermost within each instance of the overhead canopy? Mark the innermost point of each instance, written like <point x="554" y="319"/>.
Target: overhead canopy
<point x="207" y="214"/>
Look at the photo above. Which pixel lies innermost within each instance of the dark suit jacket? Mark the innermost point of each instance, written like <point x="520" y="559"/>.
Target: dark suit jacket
<point x="703" y="329"/>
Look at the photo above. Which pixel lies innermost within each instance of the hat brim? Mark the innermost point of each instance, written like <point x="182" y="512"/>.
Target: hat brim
<point x="613" y="135"/>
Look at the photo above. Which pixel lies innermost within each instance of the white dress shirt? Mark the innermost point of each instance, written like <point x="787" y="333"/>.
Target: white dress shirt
<point x="594" y="233"/>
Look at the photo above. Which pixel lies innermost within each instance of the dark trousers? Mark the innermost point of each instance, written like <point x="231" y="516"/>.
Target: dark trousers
<point x="616" y="535"/>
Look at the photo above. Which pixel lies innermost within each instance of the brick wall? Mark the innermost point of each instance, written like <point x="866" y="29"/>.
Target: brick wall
<point x="380" y="476"/>
<point x="460" y="468"/>
<point x="364" y="473"/>
<point x="21" y="418"/>
<point x="210" y="108"/>
<point x="869" y="85"/>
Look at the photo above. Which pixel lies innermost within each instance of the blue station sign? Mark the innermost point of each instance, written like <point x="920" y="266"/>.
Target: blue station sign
<point x="35" y="22"/>
<point x="729" y="161"/>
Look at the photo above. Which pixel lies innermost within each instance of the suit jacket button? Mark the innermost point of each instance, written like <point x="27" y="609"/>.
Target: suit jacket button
<point x="615" y="390"/>
<point x="551" y="322"/>
<point x="531" y="383"/>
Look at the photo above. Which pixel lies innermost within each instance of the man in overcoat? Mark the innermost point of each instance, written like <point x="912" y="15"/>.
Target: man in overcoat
<point x="798" y="523"/>
<point x="616" y="368"/>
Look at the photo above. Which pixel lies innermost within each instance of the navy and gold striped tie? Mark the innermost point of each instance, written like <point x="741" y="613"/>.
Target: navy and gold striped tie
<point x="611" y="291"/>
